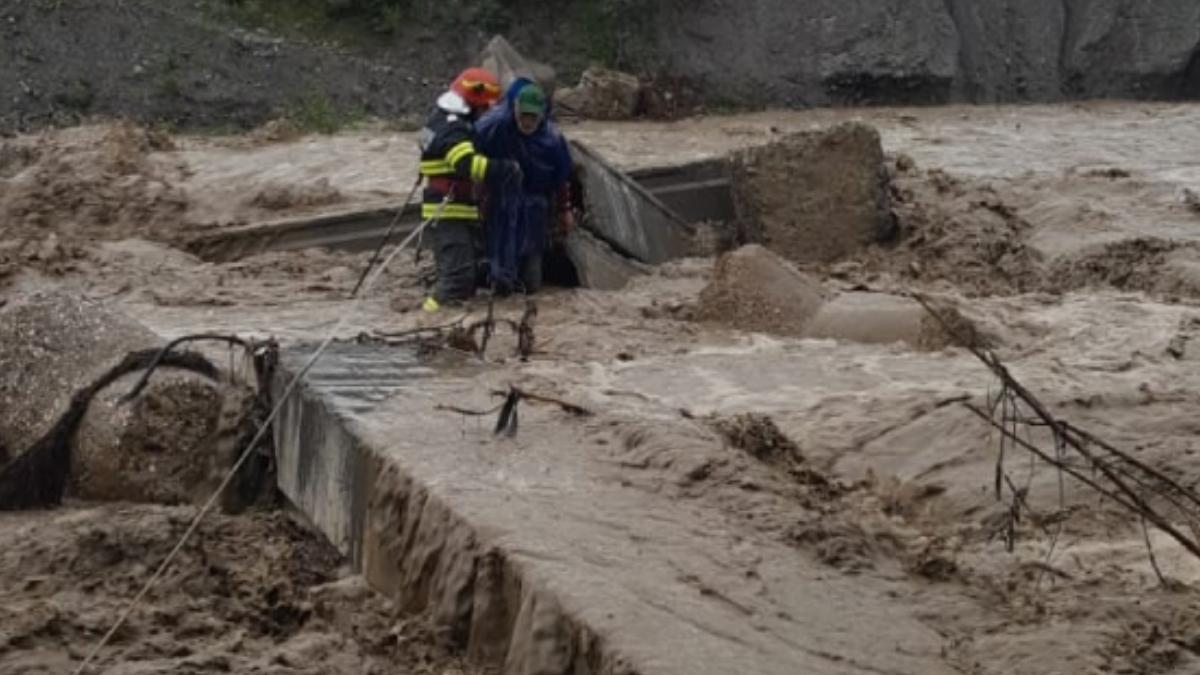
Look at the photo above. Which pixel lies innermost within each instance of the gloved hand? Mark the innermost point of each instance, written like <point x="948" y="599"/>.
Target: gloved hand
<point x="566" y="223"/>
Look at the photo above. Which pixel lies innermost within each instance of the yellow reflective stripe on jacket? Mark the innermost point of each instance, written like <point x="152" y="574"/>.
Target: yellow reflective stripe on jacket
<point x="479" y="165"/>
<point x="459" y="151"/>
<point x="436" y="167"/>
<point x="450" y="211"/>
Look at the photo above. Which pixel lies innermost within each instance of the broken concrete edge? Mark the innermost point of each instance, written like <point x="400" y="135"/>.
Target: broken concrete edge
<point x="361" y="227"/>
<point x="599" y="266"/>
<point x="714" y="167"/>
<point x="649" y="230"/>
<point x="507" y="63"/>
<point x="412" y="547"/>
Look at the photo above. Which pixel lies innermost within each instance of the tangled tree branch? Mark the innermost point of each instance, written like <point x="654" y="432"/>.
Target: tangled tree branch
<point x="1143" y="490"/>
<point x="474" y="336"/>
<point x="170" y="347"/>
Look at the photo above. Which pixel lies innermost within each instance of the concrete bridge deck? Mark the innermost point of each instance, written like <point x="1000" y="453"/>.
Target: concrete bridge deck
<point x="536" y="553"/>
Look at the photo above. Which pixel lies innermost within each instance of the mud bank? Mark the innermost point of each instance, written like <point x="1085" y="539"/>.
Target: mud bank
<point x="254" y="593"/>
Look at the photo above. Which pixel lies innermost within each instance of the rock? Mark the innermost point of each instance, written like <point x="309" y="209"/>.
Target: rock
<point x="814" y="196"/>
<point x="932" y="51"/>
<point x="755" y="290"/>
<point x="602" y="94"/>
<point x="157" y="448"/>
<point x="50" y="346"/>
<point x="508" y="64"/>
<point x="803" y="53"/>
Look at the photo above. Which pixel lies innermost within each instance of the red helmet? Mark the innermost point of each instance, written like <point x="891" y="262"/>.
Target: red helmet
<point x="478" y="87"/>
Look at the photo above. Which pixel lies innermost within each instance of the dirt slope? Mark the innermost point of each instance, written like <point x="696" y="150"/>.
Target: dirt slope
<point x="188" y="64"/>
<point x="175" y="62"/>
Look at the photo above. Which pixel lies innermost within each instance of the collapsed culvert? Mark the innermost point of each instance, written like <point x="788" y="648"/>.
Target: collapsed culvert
<point x="753" y="289"/>
<point x="66" y="365"/>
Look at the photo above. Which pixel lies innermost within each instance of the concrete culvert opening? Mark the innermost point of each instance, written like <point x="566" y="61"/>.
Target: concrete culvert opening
<point x="629" y="221"/>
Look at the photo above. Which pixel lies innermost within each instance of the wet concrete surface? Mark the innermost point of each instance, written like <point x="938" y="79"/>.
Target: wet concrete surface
<point x="668" y="586"/>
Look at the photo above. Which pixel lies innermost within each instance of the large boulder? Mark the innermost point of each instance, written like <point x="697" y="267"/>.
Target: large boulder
<point x="814" y="196"/>
<point x="602" y="94"/>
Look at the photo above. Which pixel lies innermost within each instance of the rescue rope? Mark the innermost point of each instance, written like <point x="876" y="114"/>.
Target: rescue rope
<point x="388" y="235"/>
<point x="262" y="430"/>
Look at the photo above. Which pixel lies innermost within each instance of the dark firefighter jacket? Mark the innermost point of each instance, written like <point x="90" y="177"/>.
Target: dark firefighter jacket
<point x="450" y="163"/>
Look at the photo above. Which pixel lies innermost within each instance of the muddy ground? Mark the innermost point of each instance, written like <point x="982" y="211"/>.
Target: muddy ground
<point x="257" y="593"/>
<point x="1066" y="235"/>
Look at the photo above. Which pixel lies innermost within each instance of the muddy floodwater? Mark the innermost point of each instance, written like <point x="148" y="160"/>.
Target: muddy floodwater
<point x="1068" y="236"/>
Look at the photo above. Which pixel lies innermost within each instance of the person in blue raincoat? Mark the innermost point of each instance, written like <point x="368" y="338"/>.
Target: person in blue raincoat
<point x="520" y="222"/>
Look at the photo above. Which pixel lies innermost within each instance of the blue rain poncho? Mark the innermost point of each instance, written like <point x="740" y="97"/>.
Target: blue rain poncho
<point x="517" y="220"/>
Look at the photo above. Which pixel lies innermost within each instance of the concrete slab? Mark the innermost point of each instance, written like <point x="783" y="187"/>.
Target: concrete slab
<point x="597" y="264"/>
<point x="360" y="228"/>
<point x="537" y="555"/>
<point x="625" y="215"/>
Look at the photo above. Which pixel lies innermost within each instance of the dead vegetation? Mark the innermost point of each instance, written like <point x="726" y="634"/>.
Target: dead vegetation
<point x="1146" y="493"/>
